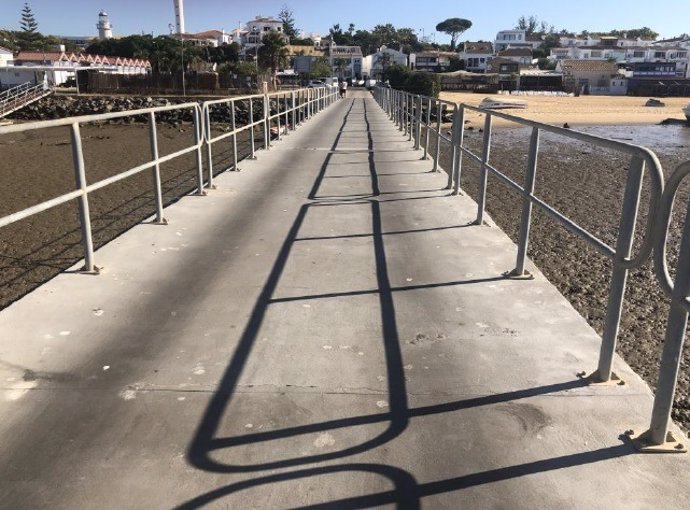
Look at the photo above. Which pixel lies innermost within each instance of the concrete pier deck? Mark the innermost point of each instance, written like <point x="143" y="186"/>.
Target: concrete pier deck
<point x="323" y="330"/>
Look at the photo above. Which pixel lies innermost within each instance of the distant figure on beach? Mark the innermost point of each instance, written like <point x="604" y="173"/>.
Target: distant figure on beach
<point x="342" y="86"/>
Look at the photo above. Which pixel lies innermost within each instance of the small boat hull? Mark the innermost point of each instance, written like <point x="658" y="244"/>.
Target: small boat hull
<point x="500" y="104"/>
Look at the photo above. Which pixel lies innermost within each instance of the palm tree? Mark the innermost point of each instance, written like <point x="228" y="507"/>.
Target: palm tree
<point x="273" y="52"/>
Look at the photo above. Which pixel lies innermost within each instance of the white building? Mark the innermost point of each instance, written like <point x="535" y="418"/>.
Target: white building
<point x="55" y="68"/>
<point x="522" y="56"/>
<point x="345" y="60"/>
<point x="516" y="38"/>
<point x="238" y="36"/>
<point x="676" y="54"/>
<point x="6" y="56"/>
<point x="257" y="28"/>
<point x="375" y="64"/>
<point x="476" y="56"/>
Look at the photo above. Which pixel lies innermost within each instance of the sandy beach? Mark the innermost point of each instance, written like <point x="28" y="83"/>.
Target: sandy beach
<point x="580" y="111"/>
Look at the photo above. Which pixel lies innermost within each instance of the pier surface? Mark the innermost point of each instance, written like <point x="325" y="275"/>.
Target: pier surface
<point x="326" y="329"/>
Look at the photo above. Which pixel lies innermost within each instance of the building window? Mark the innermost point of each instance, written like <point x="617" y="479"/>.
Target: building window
<point x="659" y="54"/>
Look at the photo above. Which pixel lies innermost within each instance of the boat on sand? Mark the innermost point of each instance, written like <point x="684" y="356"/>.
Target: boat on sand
<point x="500" y="104"/>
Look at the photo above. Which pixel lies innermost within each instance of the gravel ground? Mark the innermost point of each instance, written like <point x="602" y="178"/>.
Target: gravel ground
<point x="587" y="185"/>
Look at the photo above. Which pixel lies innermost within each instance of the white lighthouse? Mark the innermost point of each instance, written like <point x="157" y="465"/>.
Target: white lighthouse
<point x="179" y="15"/>
<point x="105" y="30"/>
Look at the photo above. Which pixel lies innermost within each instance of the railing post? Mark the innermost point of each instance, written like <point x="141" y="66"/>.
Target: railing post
<point x="209" y="151"/>
<point x="295" y="118"/>
<point x="252" y="148"/>
<point x="287" y="115"/>
<point x="277" y="118"/>
<point x="626" y="235"/>
<point x="233" y="126"/>
<point x="83" y="200"/>
<point x="267" y="122"/>
<point x="427" y="126"/>
<point x="484" y="173"/>
<point x="456" y="141"/>
<point x="409" y="124"/>
<point x="658" y="437"/>
<point x="156" y="170"/>
<point x="526" y="217"/>
<point x="438" y="136"/>
<point x="418" y="120"/>
<point x="198" y="126"/>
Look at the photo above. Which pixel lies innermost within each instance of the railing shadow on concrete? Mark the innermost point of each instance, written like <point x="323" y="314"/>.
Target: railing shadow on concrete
<point x="407" y="493"/>
<point x="205" y="444"/>
<point x="417" y="115"/>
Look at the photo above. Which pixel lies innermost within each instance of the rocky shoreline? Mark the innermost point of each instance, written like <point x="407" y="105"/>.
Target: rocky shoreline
<point x="59" y="107"/>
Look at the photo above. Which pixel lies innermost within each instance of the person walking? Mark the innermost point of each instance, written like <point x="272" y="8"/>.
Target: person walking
<point x="342" y="86"/>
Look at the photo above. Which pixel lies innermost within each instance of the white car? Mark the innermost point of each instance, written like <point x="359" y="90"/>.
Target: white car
<point x="316" y="84"/>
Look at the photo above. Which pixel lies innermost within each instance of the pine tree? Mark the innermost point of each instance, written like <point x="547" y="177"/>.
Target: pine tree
<point x="29" y="38"/>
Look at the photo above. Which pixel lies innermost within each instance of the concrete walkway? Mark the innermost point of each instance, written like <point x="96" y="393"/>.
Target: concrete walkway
<point x="324" y="330"/>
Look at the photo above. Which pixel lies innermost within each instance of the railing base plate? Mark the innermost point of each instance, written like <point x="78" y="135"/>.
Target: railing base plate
<point x="642" y="443"/>
<point x="593" y="379"/>
<point x="514" y="275"/>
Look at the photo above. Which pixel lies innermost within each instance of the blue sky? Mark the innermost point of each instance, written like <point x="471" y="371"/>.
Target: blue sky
<point x="79" y="17"/>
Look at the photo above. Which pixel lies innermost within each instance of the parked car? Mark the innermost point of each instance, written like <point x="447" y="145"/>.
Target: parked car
<point x="316" y="84"/>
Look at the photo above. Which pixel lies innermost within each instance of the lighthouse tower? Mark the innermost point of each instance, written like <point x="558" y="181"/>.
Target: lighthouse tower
<point x="179" y="15"/>
<point x="105" y="30"/>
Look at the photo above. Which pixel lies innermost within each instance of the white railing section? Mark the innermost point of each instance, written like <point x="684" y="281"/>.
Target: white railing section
<point x="413" y="115"/>
<point x="17" y="97"/>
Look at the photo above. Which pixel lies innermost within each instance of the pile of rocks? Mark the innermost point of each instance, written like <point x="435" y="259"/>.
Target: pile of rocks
<point x="59" y="107"/>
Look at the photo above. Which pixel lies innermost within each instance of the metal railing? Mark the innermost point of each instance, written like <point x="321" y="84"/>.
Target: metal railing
<point x="17" y="97"/>
<point x="310" y="102"/>
<point x="658" y="437"/>
<point x="286" y="110"/>
<point x="413" y="115"/>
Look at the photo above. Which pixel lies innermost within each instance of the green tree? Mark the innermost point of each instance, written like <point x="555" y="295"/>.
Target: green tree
<point x="320" y="68"/>
<point x="340" y="65"/>
<point x="288" y="18"/>
<point x="273" y="52"/>
<point x="29" y="38"/>
<point x="336" y="34"/>
<point x="454" y="27"/>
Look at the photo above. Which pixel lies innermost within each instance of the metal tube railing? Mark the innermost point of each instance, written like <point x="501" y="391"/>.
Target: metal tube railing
<point x="658" y="437"/>
<point x="642" y="160"/>
<point x="312" y="102"/>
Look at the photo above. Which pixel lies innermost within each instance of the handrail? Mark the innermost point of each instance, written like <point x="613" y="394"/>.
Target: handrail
<point x="16" y="97"/>
<point x="407" y="110"/>
<point x="658" y="436"/>
<point x="304" y="104"/>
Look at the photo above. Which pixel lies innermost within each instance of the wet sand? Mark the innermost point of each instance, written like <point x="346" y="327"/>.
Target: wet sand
<point x="580" y="111"/>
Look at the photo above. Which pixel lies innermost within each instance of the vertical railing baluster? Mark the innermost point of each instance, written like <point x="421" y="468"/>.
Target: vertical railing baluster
<point x="156" y="170"/>
<point x="526" y="216"/>
<point x="199" y="157"/>
<point x="484" y="172"/>
<point x="438" y="136"/>
<point x="626" y="235"/>
<point x="83" y="200"/>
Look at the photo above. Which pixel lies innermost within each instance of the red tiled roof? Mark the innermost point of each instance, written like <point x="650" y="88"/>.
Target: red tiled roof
<point x="479" y="47"/>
